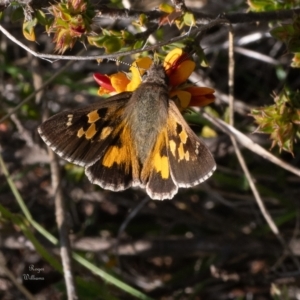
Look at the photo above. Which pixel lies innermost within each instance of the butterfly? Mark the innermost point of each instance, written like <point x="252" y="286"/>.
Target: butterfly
<point x="132" y="139"/>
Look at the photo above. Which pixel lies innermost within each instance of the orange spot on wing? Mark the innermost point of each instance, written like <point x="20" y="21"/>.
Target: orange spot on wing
<point x="161" y="164"/>
<point x="172" y="145"/>
<point x="183" y="155"/>
<point x="183" y="136"/>
<point x="116" y="155"/>
<point x="124" y="155"/>
<point x="91" y="131"/>
<point x="80" y="132"/>
<point x="93" y="116"/>
<point x="157" y="161"/>
<point x="106" y="131"/>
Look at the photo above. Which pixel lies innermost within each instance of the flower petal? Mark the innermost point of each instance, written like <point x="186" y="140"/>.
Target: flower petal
<point x="104" y="92"/>
<point x="172" y="57"/>
<point x="201" y="96"/>
<point x="104" y="81"/>
<point x="119" y="81"/>
<point x="182" y="72"/>
<point x="137" y="69"/>
<point x="181" y="98"/>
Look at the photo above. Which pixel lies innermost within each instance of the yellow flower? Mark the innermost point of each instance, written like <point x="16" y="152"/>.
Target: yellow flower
<point x="178" y="67"/>
<point x="113" y="84"/>
<point x="138" y="68"/>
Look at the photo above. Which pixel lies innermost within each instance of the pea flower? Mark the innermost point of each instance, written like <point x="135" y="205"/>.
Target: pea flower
<point x="178" y="67"/>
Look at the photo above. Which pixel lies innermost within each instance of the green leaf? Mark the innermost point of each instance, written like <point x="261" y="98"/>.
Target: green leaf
<point x="296" y="60"/>
<point x="143" y="19"/>
<point x="283" y="33"/>
<point x="126" y="35"/>
<point x="97" y="41"/>
<point x="189" y="19"/>
<point x="112" y="44"/>
<point x="28" y="29"/>
<point x="261" y="5"/>
<point x="138" y="44"/>
<point x="41" y="17"/>
<point x="17" y="14"/>
<point x="167" y="8"/>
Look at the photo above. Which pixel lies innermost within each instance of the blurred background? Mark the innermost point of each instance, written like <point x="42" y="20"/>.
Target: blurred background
<point x="209" y="242"/>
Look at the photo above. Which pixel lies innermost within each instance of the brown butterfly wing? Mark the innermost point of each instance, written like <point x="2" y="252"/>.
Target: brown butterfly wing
<point x="93" y="137"/>
<point x="156" y="173"/>
<point x="118" y="168"/>
<point x="190" y="160"/>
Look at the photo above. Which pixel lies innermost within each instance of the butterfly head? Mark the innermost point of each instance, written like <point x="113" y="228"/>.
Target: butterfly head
<point x="156" y="74"/>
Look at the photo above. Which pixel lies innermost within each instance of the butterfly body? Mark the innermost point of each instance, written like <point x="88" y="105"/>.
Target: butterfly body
<point x="147" y="113"/>
<point x="132" y="139"/>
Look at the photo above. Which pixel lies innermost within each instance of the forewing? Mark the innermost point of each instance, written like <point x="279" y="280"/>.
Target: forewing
<point x="98" y="138"/>
<point x="82" y="135"/>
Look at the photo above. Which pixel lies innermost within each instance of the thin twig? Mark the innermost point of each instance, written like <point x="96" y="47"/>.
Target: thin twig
<point x="231" y="75"/>
<point x="37" y="78"/>
<point x="55" y="57"/>
<point x="265" y="17"/>
<point x="261" y="205"/>
<point x="201" y="18"/>
<point x="60" y="213"/>
<point x="103" y="11"/>
<point x="241" y="159"/>
<point x="249" y="144"/>
<point x="62" y="225"/>
<point x="258" y="56"/>
<point x="63" y="229"/>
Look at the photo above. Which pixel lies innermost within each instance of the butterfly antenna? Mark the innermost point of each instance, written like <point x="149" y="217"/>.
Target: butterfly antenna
<point x="127" y="64"/>
<point x="119" y="61"/>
